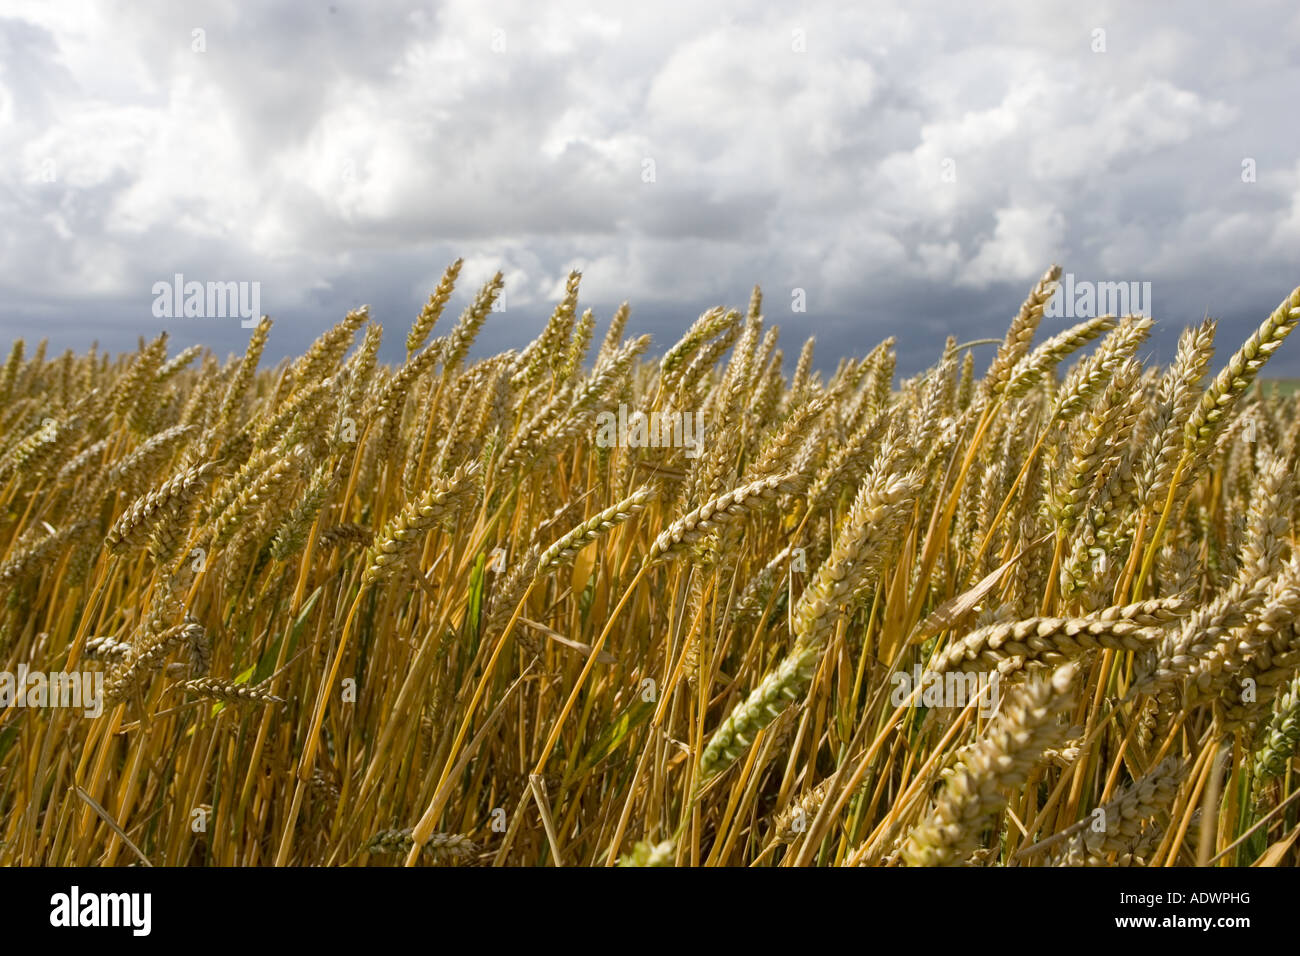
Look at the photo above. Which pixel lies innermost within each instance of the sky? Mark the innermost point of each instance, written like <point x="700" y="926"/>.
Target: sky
<point x="905" y="169"/>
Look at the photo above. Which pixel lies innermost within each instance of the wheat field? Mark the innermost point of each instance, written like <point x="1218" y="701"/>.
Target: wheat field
<point x="572" y="605"/>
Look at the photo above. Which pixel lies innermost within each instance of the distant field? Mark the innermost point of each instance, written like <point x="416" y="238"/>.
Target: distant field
<point x="1285" y="386"/>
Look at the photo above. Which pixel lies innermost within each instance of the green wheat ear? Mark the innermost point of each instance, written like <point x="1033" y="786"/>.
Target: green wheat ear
<point x="787" y="682"/>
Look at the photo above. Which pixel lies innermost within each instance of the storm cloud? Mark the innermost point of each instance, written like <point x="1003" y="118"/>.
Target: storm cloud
<point x="905" y="168"/>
